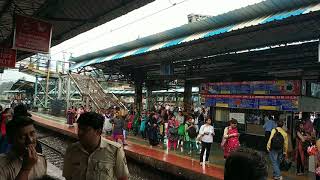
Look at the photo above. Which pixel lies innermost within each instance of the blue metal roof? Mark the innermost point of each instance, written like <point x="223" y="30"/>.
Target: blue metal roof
<point x="261" y="13"/>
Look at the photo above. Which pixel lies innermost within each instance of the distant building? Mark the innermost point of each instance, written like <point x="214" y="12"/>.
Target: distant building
<point x="196" y="17"/>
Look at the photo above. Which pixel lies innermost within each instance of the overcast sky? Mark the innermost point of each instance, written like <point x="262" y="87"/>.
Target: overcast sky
<point x="137" y="24"/>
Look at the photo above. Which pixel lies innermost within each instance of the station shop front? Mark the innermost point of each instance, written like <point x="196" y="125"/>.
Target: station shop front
<point x="252" y="102"/>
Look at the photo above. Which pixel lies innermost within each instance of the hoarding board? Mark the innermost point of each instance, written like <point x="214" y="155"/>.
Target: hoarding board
<point x="32" y="35"/>
<point x="7" y="57"/>
<point x="278" y="87"/>
<point x="279" y="103"/>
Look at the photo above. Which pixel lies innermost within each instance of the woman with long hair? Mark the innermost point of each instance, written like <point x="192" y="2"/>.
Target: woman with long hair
<point x="231" y="136"/>
<point x="206" y="133"/>
<point x="301" y="138"/>
<point x="173" y="136"/>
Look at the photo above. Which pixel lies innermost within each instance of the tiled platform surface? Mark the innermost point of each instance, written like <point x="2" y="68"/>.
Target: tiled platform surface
<point x="140" y="147"/>
<point x="169" y="161"/>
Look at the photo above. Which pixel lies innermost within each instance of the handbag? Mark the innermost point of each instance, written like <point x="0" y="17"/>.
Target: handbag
<point x="318" y="171"/>
<point x="285" y="165"/>
<point x="312" y="150"/>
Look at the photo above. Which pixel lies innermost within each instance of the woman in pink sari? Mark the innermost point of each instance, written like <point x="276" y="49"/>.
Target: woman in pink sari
<point x="231" y="136"/>
<point x="301" y="138"/>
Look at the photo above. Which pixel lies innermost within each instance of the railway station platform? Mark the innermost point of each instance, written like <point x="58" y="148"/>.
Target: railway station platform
<point x="167" y="162"/>
<point x="175" y="163"/>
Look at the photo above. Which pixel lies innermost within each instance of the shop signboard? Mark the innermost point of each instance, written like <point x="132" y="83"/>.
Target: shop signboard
<point x="32" y="34"/>
<point x="278" y="87"/>
<point x="8" y="57"/>
<point x="280" y="103"/>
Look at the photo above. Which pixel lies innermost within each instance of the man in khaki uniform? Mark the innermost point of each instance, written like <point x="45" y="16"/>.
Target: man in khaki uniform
<point x="22" y="162"/>
<point x="93" y="157"/>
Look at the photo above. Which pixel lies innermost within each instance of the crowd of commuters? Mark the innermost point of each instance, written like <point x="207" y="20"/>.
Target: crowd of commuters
<point x="194" y="132"/>
<point x="177" y="130"/>
<point x="168" y="127"/>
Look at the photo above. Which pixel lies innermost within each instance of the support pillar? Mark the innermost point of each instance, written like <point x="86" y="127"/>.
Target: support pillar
<point x="47" y="85"/>
<point x="187" y="96"/>
<point x="59" y="87"/>
<point x="139" y="76"/>
<point x="149" y="104"/>
<point x="212" y="112"/>
<point x="138" y="95"/>
<point x="68" y="92"/>
<point x="35" y="92"/>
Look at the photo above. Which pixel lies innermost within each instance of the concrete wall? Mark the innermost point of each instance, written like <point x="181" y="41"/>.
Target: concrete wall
<point x="309" y="104"/>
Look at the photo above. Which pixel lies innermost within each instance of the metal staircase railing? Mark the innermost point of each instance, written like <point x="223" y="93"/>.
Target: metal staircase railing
<point x="90" y="87"/>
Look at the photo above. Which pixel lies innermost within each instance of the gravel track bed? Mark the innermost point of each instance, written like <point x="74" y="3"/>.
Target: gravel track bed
<point x="53" y="157"/>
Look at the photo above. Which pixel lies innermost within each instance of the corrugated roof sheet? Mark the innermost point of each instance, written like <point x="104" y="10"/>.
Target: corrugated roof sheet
<point x="262" y="13"/>
<point x="69" y="17"/>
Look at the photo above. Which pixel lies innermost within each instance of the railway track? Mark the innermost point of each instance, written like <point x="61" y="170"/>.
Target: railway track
<point x="53" y="145"/>
<point x="53" y="155"/>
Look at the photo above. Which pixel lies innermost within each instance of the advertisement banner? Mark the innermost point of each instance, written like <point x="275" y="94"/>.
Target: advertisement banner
<point x="278" y="87"/>
<point x="8" y="57"/>
<point x="32" y="35"/>
<point x="278" y="103"/>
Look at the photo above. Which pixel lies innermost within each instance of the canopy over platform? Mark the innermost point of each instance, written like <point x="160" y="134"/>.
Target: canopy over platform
<point x="212" y="47"/>
<point x="254" y="17"/>
<point x="69" y="17"/>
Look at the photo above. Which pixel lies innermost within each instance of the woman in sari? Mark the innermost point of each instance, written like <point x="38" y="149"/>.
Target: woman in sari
<point x="70" y="116"/>
<point x="173" y="136"/>
<point x="231" y="138"/>
<point x="301" y="139"/>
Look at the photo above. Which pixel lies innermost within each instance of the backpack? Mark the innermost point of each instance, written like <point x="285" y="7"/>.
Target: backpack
<point x="173" y="134"/>
<point x="277" y="141"/>
<point x="181" y="130"/>
<point x="192" y="132"/>
<point x="173" y="131"/>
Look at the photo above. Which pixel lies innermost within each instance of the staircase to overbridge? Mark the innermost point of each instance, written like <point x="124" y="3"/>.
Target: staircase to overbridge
<point x="91" y="88"/>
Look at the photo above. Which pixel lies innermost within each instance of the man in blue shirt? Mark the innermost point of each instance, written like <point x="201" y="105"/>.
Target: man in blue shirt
<point x="269" y="124"/>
